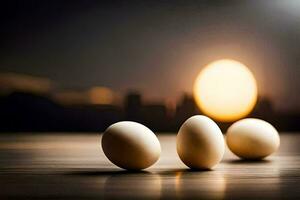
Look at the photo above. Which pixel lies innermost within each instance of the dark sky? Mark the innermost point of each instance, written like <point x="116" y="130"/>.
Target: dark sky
<point x="158" y="47"/>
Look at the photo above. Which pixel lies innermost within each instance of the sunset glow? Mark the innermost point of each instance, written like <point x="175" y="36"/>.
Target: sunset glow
<point x="225" y="90"/>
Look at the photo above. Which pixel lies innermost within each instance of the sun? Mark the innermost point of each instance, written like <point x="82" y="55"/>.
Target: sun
<point x="225" y="90"/>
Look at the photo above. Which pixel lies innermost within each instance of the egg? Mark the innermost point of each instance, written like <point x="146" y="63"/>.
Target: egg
<point x="200" y="143"/>
<point x="130" y="145"/>
<point x="252" y="138"/>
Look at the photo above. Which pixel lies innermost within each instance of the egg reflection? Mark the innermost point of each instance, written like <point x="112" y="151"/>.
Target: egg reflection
<point x="200" y="185"/>
<point x="143" y="185"/>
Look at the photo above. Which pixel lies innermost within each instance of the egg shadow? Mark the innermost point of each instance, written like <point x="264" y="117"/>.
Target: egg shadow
<point x="182" y="171"/>
<point x="105" y="172"/>
<point x="248" y="161"/>
<point x="133" y="185"/>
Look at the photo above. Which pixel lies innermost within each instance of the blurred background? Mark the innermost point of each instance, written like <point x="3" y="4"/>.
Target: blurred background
<point x="68" y="66"/>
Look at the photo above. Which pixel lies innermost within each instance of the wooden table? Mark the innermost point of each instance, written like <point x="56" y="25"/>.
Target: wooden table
<point x="73" y="166"/>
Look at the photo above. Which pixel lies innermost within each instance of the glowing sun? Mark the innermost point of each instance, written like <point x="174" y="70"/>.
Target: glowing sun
<point x="225" y="90"/>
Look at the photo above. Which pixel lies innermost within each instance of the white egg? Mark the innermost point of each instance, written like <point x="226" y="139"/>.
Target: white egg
<point x="130" y="145"/>
<point x="200" y="143"/>
<point x="252" y="138"/>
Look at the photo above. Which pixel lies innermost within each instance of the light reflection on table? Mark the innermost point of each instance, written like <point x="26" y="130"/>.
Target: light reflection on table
<point x="74" y="167"/>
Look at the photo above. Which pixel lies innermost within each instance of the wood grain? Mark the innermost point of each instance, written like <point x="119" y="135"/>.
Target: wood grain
<point x="72" y="166"/>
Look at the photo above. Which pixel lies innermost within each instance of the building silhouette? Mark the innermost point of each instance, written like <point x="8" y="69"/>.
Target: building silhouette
<point x="133" y="106"/>
<point x="22" y="112"/>
<point x="185" y="109"/>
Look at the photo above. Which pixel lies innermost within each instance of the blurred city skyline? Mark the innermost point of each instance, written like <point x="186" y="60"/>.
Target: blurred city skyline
<point x="32" y="111"/>
<point x="155" y="47"/>
<point x="94" y="95"/>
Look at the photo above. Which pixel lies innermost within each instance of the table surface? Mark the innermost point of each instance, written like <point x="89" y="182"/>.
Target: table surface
<point x="73" y="166"/>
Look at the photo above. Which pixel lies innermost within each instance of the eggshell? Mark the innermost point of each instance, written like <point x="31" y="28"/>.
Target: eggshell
<point x="200" y="143"/>
<point x="252" y="138"/>
<point x="130" y="145"/>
